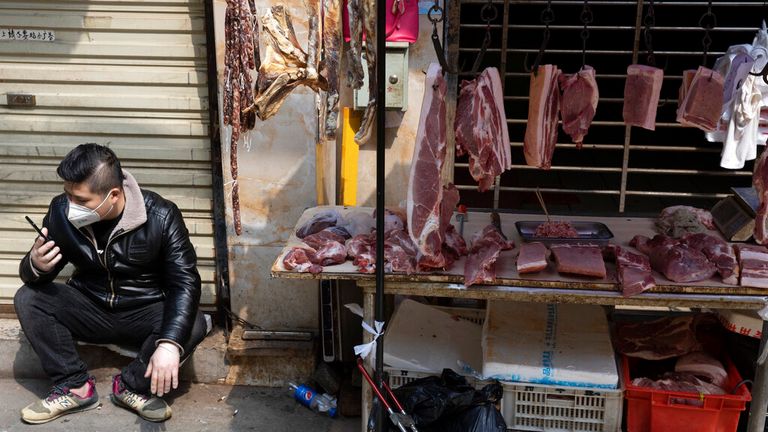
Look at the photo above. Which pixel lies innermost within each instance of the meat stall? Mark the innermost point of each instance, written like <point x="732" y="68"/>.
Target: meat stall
<point x="467" y="146"/>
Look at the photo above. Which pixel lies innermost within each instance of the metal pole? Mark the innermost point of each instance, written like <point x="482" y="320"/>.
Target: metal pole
<point x="219" y="225"/>
<point x="381" y="175"/>
<point x="757" y="408"/>
<point x="628" y="129"/>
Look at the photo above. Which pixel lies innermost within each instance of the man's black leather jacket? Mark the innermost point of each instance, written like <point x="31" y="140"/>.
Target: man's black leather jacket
<point x="148" y="258"/>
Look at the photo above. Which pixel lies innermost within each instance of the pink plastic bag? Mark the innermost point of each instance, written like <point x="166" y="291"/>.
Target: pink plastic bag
<point x="402" y="20"/>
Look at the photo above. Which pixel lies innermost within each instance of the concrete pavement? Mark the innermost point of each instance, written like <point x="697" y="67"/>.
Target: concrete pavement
<point x="196" y="407"/>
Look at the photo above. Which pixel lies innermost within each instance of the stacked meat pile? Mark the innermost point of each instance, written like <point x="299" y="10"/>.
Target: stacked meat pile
<point x="696" y="370"/>
<point x="328" y="239"/>
<point x="753" y="261"/>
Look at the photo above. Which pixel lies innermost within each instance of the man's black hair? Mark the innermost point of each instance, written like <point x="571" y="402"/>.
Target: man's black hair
<point x="94" y="164"/>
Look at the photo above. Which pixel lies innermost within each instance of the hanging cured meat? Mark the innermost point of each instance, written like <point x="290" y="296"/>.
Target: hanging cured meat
<point x="368" y="8"/>
<point x="355" y="72"/>
<point x="286" y="65"/>
<point x="578" y="103"/>
<point x="641" y="95"/>
<point x="703" y="101"/>
<point x="330" y="64"/>
<point x="481" y="128"/>
<point x="425" y="191"/>
<point x="543" y="112"/>
<point x="241" y="56"/>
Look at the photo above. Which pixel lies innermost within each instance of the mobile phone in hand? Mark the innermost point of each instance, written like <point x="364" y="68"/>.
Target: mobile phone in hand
<point x="39" y="232"/>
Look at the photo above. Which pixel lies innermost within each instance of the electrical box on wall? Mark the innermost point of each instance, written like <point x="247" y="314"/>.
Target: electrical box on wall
<point x="396" y="97"/>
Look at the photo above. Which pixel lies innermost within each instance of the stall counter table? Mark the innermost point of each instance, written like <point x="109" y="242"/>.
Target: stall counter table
<point x="547" y="286"/>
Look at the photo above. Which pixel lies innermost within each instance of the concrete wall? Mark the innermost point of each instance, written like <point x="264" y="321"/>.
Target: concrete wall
<point x="277" y="182"/>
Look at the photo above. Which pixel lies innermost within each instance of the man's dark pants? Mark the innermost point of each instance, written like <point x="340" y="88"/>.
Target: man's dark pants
<point x="54" y="315"/>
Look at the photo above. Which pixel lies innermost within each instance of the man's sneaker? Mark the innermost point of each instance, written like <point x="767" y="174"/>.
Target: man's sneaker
<point x="60" y="401"/>
<point x="150" y="408"/>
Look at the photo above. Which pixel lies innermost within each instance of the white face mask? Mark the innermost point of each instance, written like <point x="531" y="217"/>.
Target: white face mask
<point x="81" y="216"/>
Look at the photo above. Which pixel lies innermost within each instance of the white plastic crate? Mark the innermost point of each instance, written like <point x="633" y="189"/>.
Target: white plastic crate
<point x="398" y="377"/>
<point x="545" y="408"/>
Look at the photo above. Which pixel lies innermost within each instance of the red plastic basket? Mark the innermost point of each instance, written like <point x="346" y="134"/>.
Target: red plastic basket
<point x="653" y="410"/>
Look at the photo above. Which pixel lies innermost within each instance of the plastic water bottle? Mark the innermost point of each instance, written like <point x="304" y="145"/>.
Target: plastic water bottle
<point x="307" y="396"/>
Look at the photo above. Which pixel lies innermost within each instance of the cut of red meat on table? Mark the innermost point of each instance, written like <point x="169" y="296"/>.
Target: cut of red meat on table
<point x="760" y="183"/>
<point x="481" y="128"/>
<point x="481" y="262"/>
<point x="399" y="252"/>
<point x="746" y="251"/>
<point x="331" y="253"/>
<point x="754" y="273"/>
<point x="659" y="339"/>
<point x="633" y="270"/>
<point x="318" y="222"/>
<point x="362" y="249"/>
<point x="677" y="261"/>
<point x="543" y="113"/>
<point x="718" y="252"/>
<point x="532" y="258"/>
<point x="578" y="103"/>
<point x="579" y="260"/>
<point x="703" y="104"/>
<point x="318" y="239"/>
<point x="704" y="216"/>
<point x="302" y="260"/>
<point x="703" y="366"/>
<point x="425" y="190"/>
<point x="641" y="95"/>
<point x="454" y="245"/>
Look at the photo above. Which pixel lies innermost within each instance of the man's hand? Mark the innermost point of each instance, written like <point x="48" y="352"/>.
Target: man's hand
<point x="44" y="255"/>
<point x="163" y="367"/>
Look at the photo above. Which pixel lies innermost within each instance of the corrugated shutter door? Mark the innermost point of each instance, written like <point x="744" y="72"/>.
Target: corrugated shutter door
<point x="127" y="74"/>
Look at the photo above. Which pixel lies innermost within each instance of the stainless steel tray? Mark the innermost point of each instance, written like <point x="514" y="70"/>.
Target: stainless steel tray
<point x="589" y="233"/>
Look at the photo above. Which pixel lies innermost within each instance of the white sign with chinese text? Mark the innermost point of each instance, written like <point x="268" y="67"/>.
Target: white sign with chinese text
<point x="11" y="34"/>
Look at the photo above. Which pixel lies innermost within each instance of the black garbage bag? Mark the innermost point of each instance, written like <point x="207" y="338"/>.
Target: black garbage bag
<point x="448" y="404"/>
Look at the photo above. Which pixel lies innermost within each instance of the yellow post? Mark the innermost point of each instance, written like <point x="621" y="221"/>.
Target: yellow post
<point x="350" y="154"/>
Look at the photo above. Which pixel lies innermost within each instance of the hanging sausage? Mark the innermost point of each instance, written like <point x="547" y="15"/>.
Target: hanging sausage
<point x="241" y="56"/>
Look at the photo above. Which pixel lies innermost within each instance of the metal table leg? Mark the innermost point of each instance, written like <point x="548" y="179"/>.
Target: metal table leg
<point x="759" y="404"/>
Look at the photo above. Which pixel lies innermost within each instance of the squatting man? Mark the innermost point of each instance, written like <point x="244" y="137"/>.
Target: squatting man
<point x="135" y="283"/>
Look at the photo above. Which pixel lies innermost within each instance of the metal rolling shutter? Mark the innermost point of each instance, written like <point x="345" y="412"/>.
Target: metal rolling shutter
<point x="128" y="74"/>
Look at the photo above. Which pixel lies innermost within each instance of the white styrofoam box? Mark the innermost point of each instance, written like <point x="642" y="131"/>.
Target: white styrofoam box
<point x="565" y="345"/>
<point x="425" y="339"/>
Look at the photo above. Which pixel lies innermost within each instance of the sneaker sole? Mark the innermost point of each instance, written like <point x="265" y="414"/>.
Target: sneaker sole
<point x="123" y="405"/>
<point x="94" y="405"/>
